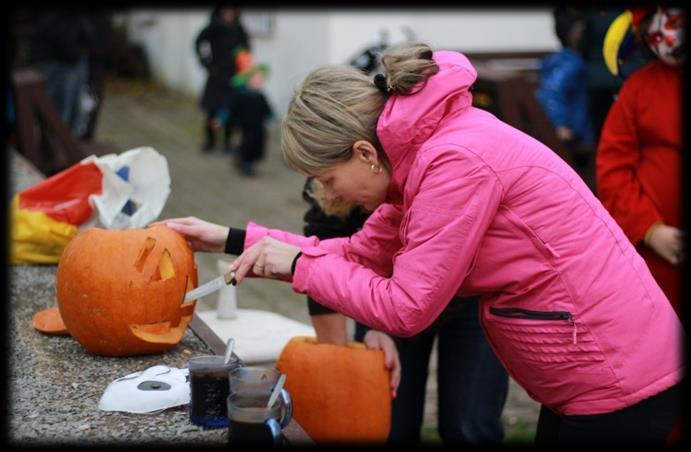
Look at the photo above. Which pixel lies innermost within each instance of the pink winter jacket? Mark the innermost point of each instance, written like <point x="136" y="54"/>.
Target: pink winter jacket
<point x="477" y="207"/>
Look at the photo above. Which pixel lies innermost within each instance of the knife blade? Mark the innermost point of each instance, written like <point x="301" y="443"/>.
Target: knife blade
<point x="211" y="286"/>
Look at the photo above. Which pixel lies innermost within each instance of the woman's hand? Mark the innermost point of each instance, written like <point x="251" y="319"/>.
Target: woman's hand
<point x="667" y="241"/>
<point x="267" y="257"/>
<point x="381" y="341"/>
<point x="202" y="235"/>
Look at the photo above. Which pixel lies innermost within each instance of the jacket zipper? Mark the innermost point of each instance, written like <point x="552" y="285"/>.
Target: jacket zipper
<point x="520" y="313"/>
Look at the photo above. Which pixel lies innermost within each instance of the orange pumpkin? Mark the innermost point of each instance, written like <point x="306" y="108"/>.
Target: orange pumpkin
<point x="340" y="394"/>
<point x="121" y="292"/>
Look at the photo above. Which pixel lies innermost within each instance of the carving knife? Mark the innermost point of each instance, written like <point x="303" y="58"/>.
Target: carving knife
<point x="211" y="286"/>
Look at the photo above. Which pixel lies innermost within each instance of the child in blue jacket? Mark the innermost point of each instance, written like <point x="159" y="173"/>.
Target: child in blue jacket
<point x="563" y="91"/>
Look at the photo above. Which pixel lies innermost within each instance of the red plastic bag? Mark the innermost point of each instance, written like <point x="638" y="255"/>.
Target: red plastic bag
<point x="65" y="196"/>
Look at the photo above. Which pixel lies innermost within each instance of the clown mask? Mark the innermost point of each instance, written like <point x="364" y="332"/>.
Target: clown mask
<point x="665" y="35"/>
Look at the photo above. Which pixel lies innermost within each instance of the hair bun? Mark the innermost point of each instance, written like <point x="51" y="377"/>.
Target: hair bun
<point x="407" y="65"/>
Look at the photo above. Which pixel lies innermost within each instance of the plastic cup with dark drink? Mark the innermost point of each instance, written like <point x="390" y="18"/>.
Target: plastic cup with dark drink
<point x="209" y="388"/>
<point x="250" y="419"/>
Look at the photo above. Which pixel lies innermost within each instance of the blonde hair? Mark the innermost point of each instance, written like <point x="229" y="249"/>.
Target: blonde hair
<point x="337" y="207"/>
<point x="335" y="106"/>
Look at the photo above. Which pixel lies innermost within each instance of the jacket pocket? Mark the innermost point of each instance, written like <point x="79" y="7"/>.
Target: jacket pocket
<point x="551" y="354"/>
<point x="520" y="313"/>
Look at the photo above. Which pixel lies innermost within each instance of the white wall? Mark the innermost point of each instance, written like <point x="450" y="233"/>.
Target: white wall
<point x="488" y="30"/>
<point x="299" y="44"/>
<point x="303" y="39"/>
<point x="459" y="29"/>
<point x="351" y="31"/>
<point x="168" y="37"/>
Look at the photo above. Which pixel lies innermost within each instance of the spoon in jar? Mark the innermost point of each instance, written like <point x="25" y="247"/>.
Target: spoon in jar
<point x="277" y="390"/>
<point x="229" y="350"/>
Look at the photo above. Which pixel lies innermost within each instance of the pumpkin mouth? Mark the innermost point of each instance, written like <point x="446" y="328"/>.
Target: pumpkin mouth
<point x="165" y="332"/>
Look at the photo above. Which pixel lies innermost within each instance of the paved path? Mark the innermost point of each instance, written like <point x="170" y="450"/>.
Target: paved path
<point x="206" y="186"/>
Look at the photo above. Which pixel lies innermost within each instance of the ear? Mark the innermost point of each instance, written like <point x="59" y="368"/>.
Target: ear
<point x="366" y="152"/>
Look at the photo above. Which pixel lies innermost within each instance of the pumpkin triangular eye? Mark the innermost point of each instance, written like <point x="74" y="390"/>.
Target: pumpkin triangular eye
<point x="144" y="253"/>
<point x="165" y="269"/>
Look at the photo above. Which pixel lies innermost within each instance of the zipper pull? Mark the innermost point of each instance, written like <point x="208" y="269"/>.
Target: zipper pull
<point x="573" y="323"/>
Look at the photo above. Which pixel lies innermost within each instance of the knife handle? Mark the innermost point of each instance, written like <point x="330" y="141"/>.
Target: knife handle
<point x="230" y="278"/>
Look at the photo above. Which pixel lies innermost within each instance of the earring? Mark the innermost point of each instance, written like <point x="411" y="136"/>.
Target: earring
<point x="376" y="169"/>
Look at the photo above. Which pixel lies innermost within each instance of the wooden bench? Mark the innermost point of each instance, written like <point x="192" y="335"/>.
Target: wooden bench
<point x="34" y="111"/>
<point x="506" y="86"/>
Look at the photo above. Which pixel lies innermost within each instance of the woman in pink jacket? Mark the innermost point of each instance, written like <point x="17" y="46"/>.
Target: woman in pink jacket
<point x="468" y="205"/>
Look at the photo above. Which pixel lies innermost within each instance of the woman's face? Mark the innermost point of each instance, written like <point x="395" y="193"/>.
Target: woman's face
<point x="362" y="180"/>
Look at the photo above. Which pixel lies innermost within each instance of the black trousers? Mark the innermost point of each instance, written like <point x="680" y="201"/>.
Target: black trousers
<point x="251" y="111"/>
<point x="211" y="133"/>
<point x="648" y="422"/>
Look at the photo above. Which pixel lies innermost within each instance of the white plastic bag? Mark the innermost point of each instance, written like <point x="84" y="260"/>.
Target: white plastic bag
<point x="136" y="185"/>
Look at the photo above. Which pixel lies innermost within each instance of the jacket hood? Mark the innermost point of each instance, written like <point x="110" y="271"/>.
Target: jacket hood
<point x="408" y="121"/>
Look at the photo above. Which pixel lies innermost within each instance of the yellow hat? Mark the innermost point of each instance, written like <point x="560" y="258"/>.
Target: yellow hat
<point x="619" y="40"/>
<point x="617" y="34"/>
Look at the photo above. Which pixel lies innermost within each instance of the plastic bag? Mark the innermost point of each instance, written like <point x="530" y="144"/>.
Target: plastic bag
<point x="115" y="191"/>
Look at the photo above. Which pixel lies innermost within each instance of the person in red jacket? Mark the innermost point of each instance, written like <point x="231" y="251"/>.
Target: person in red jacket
<point x="638" y="163"/>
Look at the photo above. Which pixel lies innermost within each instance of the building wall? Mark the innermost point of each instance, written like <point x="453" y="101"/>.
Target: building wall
<point x="303" y="39"/>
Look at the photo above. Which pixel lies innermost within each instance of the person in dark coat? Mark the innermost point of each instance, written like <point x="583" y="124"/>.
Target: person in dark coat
<point x="100" y="51"/>
<point x="215" y="47"/>
<point x="59" y="49"/>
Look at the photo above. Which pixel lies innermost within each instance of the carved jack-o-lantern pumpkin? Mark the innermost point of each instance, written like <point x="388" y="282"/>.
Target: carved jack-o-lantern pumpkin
<point x="340" y="394"/>
<point x="121" y="292"/>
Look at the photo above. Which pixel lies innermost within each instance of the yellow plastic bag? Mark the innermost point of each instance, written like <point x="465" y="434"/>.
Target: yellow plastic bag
<point x="36" y="238"/>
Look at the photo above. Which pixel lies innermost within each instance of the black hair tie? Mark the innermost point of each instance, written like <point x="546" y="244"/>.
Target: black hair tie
<point x="380" y="82"/>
